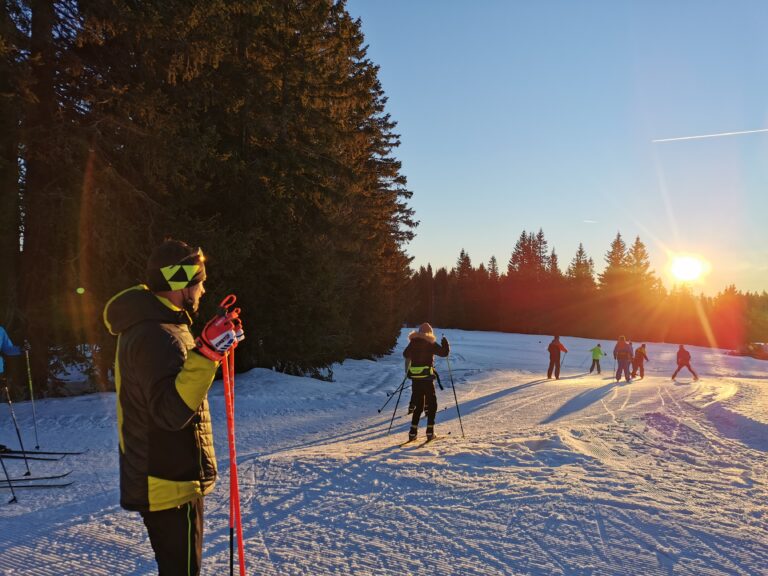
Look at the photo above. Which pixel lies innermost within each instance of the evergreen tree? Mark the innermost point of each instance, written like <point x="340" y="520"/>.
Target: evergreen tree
<point x="581" y="270"/>
<point x="529" y="261"/>
<point x="553" y="266"/>
<point x="614" y="278"/>
<point x="442" y="298"/>
<point x="541" y="257"/>
<point x="493" y="269"/>
<point x="518" y="260"/>
<point x="421" y="307"/>
<point x="463" y="266"/>
<point x="638" y="265"/>
<point x="12" y="45"/>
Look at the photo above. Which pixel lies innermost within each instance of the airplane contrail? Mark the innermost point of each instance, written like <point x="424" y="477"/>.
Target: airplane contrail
<point x="708" y="136"/>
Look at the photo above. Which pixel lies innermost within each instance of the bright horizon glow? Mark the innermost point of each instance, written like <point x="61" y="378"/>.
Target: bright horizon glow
<point x="688" y="268"/>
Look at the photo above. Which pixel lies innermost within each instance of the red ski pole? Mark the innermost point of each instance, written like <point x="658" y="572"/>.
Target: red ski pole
<point x="228" y="373"/>
<point x="235" y="523"/>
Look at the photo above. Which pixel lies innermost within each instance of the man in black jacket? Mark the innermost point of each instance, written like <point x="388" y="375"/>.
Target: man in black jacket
<point x="684" y="361"/>
<point x="419" y="355"/>
<point x="162" y="377"/>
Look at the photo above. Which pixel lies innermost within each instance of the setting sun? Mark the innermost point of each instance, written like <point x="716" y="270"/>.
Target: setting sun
<point x="688" y="268"/>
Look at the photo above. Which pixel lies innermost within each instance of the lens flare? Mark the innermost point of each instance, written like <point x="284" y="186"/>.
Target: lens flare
<point x="688" y="268"/>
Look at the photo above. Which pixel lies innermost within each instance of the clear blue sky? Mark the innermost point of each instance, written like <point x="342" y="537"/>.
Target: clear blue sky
<point x="541" y="114"/>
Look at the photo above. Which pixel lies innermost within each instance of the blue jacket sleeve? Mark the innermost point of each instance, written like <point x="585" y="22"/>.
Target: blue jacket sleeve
<point x="6" y="346"/>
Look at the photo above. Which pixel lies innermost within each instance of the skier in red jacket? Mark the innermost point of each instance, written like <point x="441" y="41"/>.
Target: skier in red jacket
<point x="554" y="349"/>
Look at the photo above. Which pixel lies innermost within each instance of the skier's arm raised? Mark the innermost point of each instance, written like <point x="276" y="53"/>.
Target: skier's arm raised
<point x="444" y="348"/>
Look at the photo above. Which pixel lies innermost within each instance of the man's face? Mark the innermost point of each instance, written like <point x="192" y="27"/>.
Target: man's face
<point x="195" y="293"/>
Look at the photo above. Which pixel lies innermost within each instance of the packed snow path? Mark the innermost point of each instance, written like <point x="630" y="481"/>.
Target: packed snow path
<point x="581" y="475"/>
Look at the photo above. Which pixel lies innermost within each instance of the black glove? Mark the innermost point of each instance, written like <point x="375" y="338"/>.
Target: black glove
<point x="444" y="342"/>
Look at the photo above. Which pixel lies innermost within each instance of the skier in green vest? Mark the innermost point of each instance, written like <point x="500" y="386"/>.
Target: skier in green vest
<point x="597" y="354"/>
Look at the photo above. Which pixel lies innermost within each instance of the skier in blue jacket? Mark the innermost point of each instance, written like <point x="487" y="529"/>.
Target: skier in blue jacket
<point x="6" y="349"/>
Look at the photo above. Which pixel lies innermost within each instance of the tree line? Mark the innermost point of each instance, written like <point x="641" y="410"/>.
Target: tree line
<point x="255" y="129"/>
<point x="533" y="295"/>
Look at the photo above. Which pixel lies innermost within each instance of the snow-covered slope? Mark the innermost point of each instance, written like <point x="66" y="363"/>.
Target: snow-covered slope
<point x="576" y="476"/>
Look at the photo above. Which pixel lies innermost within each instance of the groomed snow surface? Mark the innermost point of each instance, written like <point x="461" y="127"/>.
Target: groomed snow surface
<point x="581" y="475"/>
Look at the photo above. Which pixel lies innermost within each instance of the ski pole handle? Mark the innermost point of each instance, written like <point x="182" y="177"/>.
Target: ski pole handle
<point x="226" y="303"/>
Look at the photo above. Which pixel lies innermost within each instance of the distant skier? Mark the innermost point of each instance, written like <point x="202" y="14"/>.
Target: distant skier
<point x="597" y="354"/>
<point x="6" y="349"/>
<point x="420" y="358"/>
<point x="622" y="352"/>
<point x="638" y="365"/>
<point x="555" y="348"/>
<point x="684" y="361"/>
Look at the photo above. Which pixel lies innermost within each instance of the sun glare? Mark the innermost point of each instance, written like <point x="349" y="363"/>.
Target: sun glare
<point x="688" y="268"/>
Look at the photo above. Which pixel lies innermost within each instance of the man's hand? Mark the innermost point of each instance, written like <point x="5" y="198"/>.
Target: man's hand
<point x="26" y="346"/>
<point x="219" y="335"/>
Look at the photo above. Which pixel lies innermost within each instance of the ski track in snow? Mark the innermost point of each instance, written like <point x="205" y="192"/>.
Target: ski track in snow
<point x="577" y="476"/>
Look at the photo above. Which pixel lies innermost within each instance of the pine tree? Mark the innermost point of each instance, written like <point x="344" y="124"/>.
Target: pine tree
<point x="614" y="278"/>
<point x="639" y="265"/>
<point x="520" y="255"/>
<point x="581" y="270"/>
<point x="493" y="269"/>
<point x="11" y="81"/>
<point x="541" y="256"/>
<point x="529" y="260"/>
<point x="463" y="266"/>
<point x="553" y="266"/>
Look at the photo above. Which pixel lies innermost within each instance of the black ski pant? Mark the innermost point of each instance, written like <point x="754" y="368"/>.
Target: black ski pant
<point x="686" y="365"/>
<point x="554" y="364"/>
<point x="176" y="536"/>
<point x="638" y="366"/>
<point x="623" y="368"/>
<point x="424" y="395"/>
<point x="595" y="364"/>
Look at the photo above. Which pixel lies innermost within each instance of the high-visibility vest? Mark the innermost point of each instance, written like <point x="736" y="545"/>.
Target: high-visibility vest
<point x="420" y="372"/>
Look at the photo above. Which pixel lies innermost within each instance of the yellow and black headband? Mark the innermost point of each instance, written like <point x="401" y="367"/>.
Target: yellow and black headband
<point x="188" y="271"/>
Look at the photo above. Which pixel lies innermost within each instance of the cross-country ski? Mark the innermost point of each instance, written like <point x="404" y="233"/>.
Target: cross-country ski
<point x="30" y="478"/>
<point x="4" y="450"/>
<point x="28" y="456"/>
<point x="36" y="486"/>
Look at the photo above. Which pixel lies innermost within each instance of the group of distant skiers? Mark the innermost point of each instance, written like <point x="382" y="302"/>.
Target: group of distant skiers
<point x="629" y="362"/>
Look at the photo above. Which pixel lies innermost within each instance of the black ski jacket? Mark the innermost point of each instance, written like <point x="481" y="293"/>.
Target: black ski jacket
<point x="421" y="352"/>
<point x="163" y="421"/>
